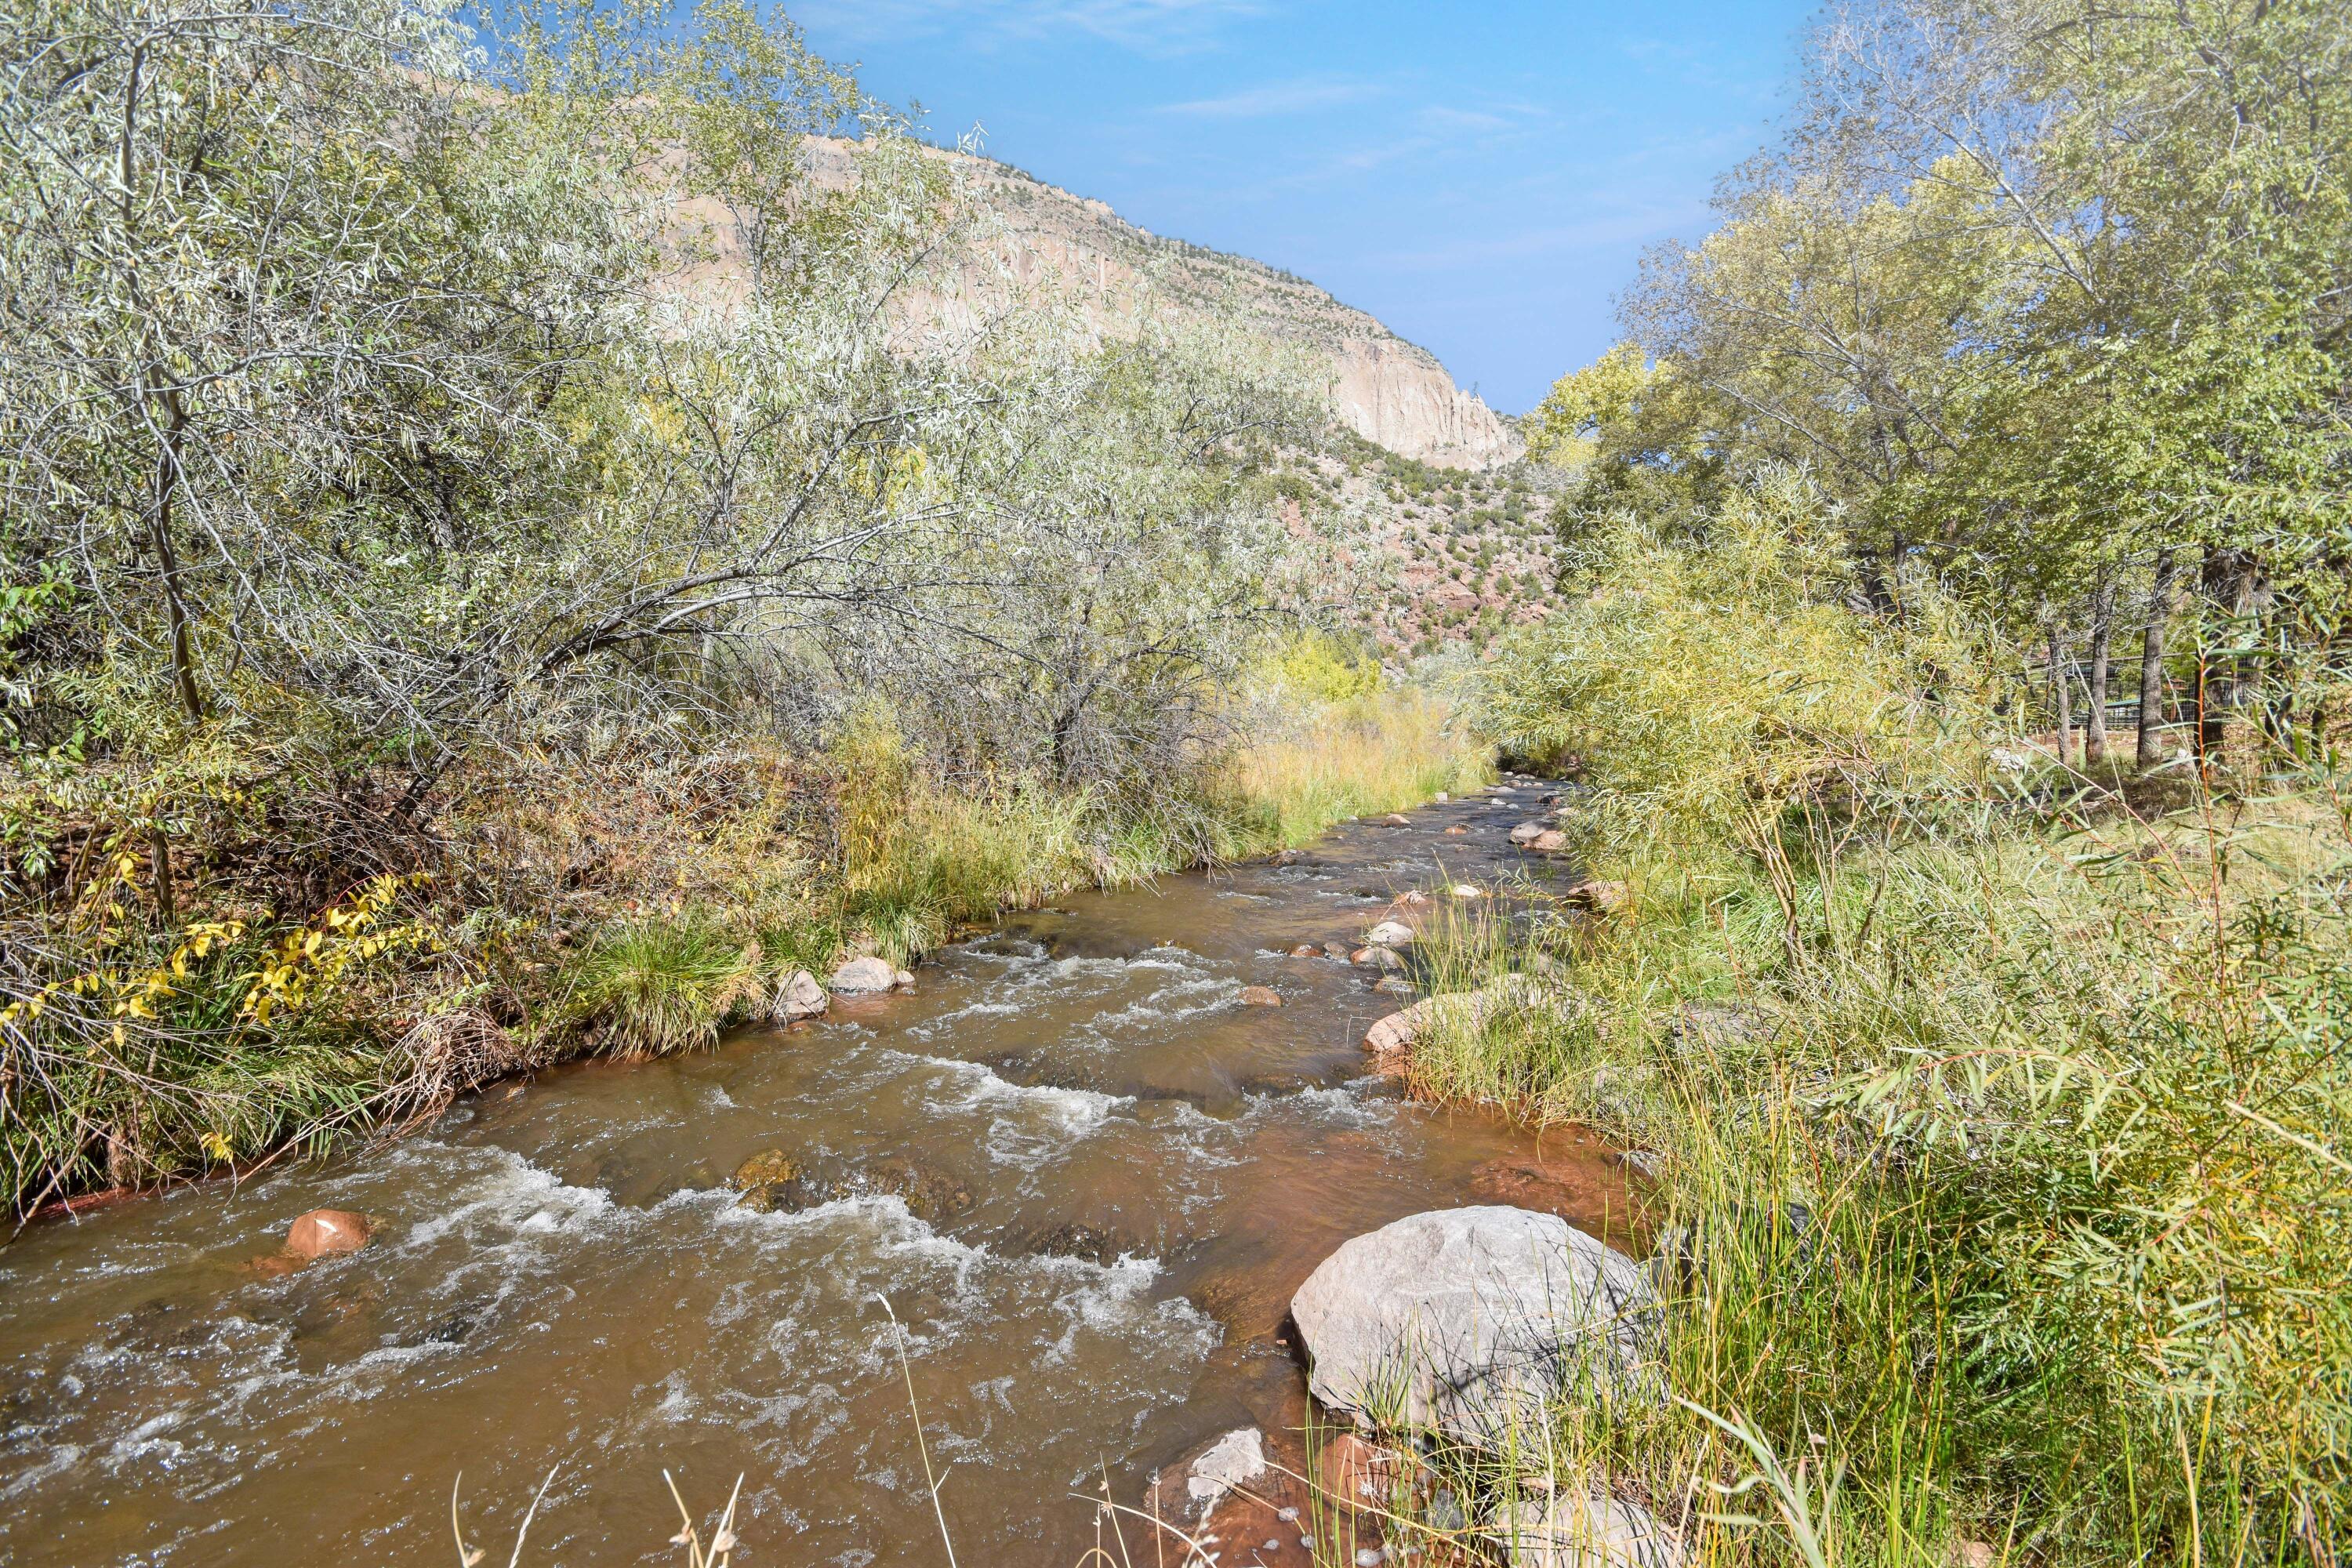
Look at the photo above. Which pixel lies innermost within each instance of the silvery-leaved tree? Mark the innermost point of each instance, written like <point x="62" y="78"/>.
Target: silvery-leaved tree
<point x="293" y="312"/>
<point x="449" y="390"/>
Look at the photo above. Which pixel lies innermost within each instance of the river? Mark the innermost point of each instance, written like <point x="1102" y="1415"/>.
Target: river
<point x="1086" y="1176"/>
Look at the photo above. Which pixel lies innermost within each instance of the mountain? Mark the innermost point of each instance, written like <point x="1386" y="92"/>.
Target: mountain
<point x="1391" y="393"/>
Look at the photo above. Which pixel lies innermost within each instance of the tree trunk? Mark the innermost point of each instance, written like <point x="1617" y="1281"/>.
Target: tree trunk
<point x="167" y="559"/>
<point x="2061" y="695"/>
<point x="2102" y="621"/>
<point x="2227" y="583"/>
<point x="2151" y="658"/>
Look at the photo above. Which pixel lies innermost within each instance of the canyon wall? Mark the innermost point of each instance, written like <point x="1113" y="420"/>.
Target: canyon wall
<point x="1387" y="390"/>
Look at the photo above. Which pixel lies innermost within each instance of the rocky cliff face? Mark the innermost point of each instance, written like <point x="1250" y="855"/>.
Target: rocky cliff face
<point x="1397" y="394"/>
<point x="1387" y="390"/>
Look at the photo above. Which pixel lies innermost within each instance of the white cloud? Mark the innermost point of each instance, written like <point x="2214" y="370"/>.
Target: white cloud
<point x="1149" y="26"/>
<point x="1276" y="98"/>
<point x="1601" y="229"/>
<point x="1437" y="117"/>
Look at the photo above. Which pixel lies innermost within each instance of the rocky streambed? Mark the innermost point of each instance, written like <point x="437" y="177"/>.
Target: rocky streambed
<point x="1089" y="1158"/>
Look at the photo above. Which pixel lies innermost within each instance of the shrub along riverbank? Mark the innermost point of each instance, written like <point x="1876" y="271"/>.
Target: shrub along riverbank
<point x="629" y="904"/>
<point x="1996" y="1112"/>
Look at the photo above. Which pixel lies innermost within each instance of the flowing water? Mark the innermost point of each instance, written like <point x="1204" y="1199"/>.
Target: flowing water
<point x="1086" y="1177"/>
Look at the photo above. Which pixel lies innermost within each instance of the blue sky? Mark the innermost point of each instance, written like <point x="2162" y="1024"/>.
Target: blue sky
<point x="1481" y="177"/>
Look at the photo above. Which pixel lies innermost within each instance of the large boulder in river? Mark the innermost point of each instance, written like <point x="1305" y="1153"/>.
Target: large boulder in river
<point x="1528" y="832"/>
<point x="1469" y="1319"/>
<point x="864" y="974"/>
<point x="1390" y="934"/>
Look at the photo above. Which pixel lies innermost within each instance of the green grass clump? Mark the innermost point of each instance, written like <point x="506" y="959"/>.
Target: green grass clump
<point x="652" y="987"/>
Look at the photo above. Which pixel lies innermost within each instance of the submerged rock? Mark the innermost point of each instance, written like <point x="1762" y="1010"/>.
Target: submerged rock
<point x="1456" y="831"/>
<point x="860" y="975"/>
<point x="1237" y="1457"/>
<point x="1306" y="950"/>
<point x="1581" y="1192"/>
<point x="930" y="1195"/>
<point x="766" y="1166"/>
<point x="1469" y="1319"/>
<point x="1393" y="986"/>
<point x="1072" y="1239"/>
<point x="1240" y="1502"/>
<point x="323" y="1232"/>
<point x="772" y="1182"/>
<point x="1261" y="996"/>
<point x="452" y="1328"/>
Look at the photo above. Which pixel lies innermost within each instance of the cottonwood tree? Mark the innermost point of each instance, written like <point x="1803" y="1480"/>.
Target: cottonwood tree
<point x="2043" y="294"/>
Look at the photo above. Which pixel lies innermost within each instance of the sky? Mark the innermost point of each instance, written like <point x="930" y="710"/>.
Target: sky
<point x="1482" y="177"/>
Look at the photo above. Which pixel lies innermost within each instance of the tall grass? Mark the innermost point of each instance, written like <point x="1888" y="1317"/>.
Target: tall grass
<point x="1387" y="750"/>
<point x="1999" y="1124"/>
<point x="652" y="987"/>
<point x="914" y="860"/>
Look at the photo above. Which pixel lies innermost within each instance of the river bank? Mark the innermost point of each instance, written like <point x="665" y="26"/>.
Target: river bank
<point x="628" y="908"/>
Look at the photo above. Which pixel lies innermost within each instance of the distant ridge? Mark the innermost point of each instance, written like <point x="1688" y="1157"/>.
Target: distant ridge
<point x="1389" y="391"/>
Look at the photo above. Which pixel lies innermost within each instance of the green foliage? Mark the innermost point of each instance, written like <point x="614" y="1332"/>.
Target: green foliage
<point x="540" y="488"/>
<point x="1713" y="680"/>
<point x="1997" y="1127"/>
<point x="654" y="985"/>
<point x="2032" y="293"/>
<point x="1323" y="667"/>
